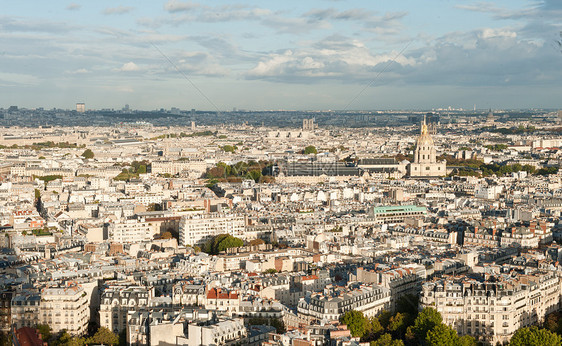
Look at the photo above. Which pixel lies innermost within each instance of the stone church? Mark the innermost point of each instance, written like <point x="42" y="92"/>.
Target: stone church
<point x="425" y="157"/>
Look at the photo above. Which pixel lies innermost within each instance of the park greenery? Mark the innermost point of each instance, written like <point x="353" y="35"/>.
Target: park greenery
<point x="220" y="243"/>
<point x="88" y="154"/>
<point x="102" y="336"/>
<point x="186" y="135"/>
<point x="496" y="147"/>
<point x="241" y="170"/>
<point x="48" y="178"/>
<point x="44" y="145"/>
<point x="135" y="168"/>
<point x="311" y="149"/>
<point x="406" y="327"/>
<point x="229" y="148"/>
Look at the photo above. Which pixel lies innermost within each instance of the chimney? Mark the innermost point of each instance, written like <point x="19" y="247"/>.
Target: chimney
<point x="512" y="231"/>
<point x="532" y="227"/>
<point x="475" y="229"/>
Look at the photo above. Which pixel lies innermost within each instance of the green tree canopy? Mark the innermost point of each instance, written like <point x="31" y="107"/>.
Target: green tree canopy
<point x="441" y="335"/>
<point x="427" y="319"/>
<point x="88" y="154"/>
<point x="222" y="242"/>
<point x="386" y="340"/>
<point x="311" y="149"/>
<point x="103" y="336"/>
<point x="534" y="336"/>
<point x="45" y="331"/>
<point x="65" y="339"/>
<point x="356" y="322"/>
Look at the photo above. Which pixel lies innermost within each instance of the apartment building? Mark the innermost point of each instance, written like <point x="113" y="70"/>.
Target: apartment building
<point x="130" y="231"/>
<point x="492" y="309"/>
<point x="117" y="302"/>
<point x="197" y="229"/>
<point x="335" y="301"/>
<point x="65" y="308"/>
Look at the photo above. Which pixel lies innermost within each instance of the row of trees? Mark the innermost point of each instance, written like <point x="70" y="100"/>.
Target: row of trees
<point x="102" y="336"/>
<point x="220" y="243"/>
<point x="240" y="170"/>
<point x="405" y="327"/>
<point x="136" y="168"/>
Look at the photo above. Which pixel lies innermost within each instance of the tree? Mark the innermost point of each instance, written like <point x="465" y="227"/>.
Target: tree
<point x="45" y="331"/>
<point x="397" y="324"/>
<point x="270" y="271"/>
<point x="311" y="149"/>
<point x="257" y="241"/>
<point x="65" y="339"/>
<point x="427" y="319"/>
<point x="103" y="336"/>
<point x="88" y="154"/>
<point x="441" y="335"/>
<point x="386" y="340"/>
<point x="356" y="322"/>
<point x="166" y="235"/>
<point x="229" y="242"/>
<point x="466" y="340"/>
<point x="221" y="242"/>
<point x="534" y="336"/>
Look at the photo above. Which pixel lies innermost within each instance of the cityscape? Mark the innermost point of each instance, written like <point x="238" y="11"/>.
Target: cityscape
<point x="281" y="174"/>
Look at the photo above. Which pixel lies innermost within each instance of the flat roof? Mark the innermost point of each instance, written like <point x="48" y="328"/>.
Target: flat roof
<point x="398" y="208"/>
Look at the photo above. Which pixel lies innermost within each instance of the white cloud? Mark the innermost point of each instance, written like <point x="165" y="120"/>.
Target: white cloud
<point x="489" y="33"/>
<point x="179" y="6"/>
<point x="129" y="67"/>
<point x="118" y="10"/>
<point x="333" y="57"/>
<point x="79" y="71"/>
<point x="8" y="78"/>
<point x="73" y="7"/>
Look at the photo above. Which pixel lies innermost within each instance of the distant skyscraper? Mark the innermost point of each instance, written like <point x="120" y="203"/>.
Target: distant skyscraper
<point x="80" y="107"/>
<point x="193" y="126"/>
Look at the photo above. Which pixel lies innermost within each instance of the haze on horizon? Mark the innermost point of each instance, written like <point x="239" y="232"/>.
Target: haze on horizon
<point x="301" y="55"/>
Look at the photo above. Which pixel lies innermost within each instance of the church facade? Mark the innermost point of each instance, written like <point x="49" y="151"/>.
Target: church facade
<point x="425" y="157"/>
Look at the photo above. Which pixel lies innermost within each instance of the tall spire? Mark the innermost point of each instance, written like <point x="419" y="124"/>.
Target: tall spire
<point x="424" y="126"/>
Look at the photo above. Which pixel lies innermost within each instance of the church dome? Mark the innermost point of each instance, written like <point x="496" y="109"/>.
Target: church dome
<point x="424" y="138"/>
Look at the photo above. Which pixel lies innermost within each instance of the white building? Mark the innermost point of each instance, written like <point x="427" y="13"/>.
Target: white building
<point x="65" y="308"/>
<point x="130" y="231"/>
<point x="197" y="229"/>
<point x="228" y="332"/>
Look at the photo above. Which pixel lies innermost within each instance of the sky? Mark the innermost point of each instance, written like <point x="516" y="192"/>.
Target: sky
<point x="273" y="55"/>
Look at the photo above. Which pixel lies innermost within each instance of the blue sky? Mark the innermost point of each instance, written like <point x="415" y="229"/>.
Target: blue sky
<point x="267" y="55"/>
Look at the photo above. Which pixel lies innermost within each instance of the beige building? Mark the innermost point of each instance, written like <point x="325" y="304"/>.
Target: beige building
<point x="425" y="157"/>
<point x="118" y="302"/>
<point x="492" y="310"/>
<point x="65" y="308"/>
